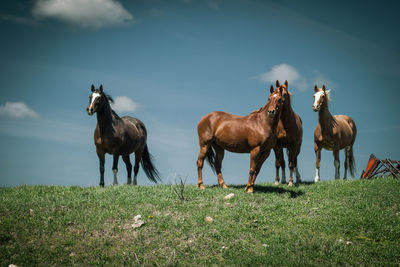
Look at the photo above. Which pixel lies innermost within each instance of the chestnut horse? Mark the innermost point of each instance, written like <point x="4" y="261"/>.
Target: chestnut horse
<point x="333" y="133"/>
<point x="290" y="135"/>
<point x="119" y="137"/>
<point x="254" y="134"/>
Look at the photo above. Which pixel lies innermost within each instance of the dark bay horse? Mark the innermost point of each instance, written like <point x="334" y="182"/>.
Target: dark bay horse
<point x="255" y="134"/>
<point x="333" y="133"/>
<point x="290" y="134"/>
<point x="119" y="137"/>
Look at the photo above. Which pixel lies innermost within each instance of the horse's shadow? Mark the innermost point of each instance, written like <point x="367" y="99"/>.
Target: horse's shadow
<point x="271" y="189"/>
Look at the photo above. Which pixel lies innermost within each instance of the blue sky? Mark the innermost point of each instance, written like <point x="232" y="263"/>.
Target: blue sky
<point x="171" y="62"/>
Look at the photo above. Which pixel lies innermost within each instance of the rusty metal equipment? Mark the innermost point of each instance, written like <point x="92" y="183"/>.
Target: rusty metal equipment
<point x="378" y="167"/>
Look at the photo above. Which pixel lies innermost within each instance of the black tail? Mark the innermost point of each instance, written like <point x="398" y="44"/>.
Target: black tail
<point x="211" y="158"/>
<point x="148" y="166"/>
<point x="352" y="162"/>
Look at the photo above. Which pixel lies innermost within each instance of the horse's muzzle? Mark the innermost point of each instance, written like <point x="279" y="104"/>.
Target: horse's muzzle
<point x="271" y="113"/>
<point x="90" y="111"/>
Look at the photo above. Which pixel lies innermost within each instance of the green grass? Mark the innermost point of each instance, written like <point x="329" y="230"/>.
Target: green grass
<point x="326" y="224"/>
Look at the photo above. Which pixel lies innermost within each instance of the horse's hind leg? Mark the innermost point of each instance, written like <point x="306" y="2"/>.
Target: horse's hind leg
<point x="138" y="157"/>
<point x="292" y="163"/>
<point x="200" y="164"/>
<point x="347" y="161"/>
<point x="115" y="168"/>
<point x="128" y="165"/>
<point x="219" y="156"/>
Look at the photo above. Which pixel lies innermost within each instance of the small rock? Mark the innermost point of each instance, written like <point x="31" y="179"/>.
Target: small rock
<point x="137" y="221"/>
<point x="265" y="245"/>
<point x="12" y="265"/>
<point x="223" y="247"/>
<point x="229" y="196"/>
<point x="209" y="219"/>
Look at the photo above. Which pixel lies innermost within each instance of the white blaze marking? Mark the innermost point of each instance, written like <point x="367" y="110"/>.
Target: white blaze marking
<point x="317" y="96"/>
<point x="94" y="97"/>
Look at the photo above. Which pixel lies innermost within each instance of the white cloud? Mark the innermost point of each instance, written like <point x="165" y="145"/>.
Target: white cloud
<point x="84" y="13"/>
<point x="287" y="72"/>
<point x="124" y="104"/>
<point x="282" y="73"/>
<point x="17" y="110"/>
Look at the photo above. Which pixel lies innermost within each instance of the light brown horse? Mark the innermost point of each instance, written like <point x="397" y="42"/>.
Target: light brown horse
<point x="255" y="134"/>
<point x="290" y="135"/>
<point x="333" y="133"/>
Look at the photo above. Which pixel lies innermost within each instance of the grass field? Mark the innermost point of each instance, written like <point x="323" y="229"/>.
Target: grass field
<point x="329" y="223"/>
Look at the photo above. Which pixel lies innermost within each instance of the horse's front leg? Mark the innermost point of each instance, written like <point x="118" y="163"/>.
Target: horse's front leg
<point x="257" y="159"/>
<point x="317" y="162"/>
<point x="200" y="164"/>
<point x="102" y="160"/>
<point x="279" y="162"/>
<point x="336" y="163"/>
<point x="115" y="168"/>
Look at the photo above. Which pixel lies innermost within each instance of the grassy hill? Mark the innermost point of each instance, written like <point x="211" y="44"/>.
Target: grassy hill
<point x="330" y="223"/>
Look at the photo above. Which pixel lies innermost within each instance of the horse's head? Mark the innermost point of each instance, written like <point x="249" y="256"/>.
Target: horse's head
<point x="275" y="99"/>
<point x="95" y="100"/>
<point x="321" y="97"/>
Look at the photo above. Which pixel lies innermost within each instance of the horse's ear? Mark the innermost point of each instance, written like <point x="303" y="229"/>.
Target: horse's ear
<point x="92" y="88"/>
<point x="101" y="88"/>
<point x="271" y="89"/>
<point x="277" y="83"/>
<point x="323" y="88"/>
<point x="287" y="84"/>
<point x="316" y="88"/>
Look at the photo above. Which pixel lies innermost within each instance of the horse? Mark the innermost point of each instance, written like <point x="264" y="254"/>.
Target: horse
<point x="255" y="134"/>
<point x="333" y="133"/>
<point x="290" y="134"/>
<point x="119" y="136"/>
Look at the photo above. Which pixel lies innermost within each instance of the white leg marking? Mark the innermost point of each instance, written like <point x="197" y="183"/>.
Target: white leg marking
<point x="316" y="175"/>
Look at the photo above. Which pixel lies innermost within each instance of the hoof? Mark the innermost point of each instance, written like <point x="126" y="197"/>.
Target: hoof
<point x="249" y="189"/>
<point x="223" y="185"/>
<point x="276" y="183"/>
<point x="201" y="186"/>
<point x="290" y="184"/>
<point x="102" y="185"/>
